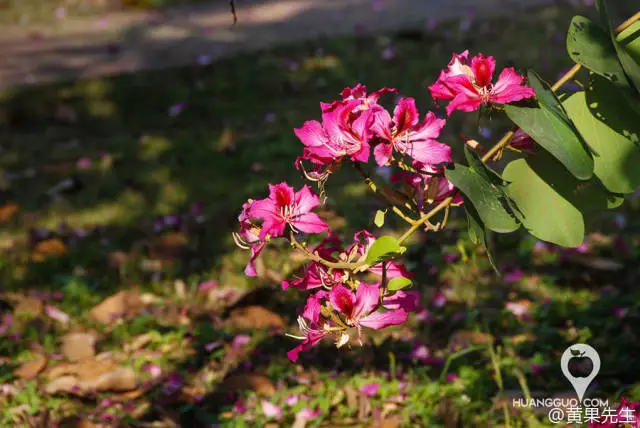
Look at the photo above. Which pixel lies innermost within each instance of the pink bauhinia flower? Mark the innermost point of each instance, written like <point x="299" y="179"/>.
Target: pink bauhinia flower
<point x="467" y="84"/>
<point x="407" y="136"/>
<point x="342" y="134"/>
<point x="285" y="207"/>
<point x="312" y="326"/>
<point x="359" y="309"/>
<point x="248" y="238"/>
<point x="316" y="274"/>
<point x="427" y="187"/>
<point x="359" y="93"/>
<point x="407" y="300"/>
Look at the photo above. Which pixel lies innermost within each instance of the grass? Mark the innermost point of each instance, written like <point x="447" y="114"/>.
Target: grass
<point x="194" y="143"/>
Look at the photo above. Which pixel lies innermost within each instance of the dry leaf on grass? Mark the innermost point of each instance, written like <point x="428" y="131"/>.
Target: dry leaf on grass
<point x="390" y="422"/>
<point x="138" y="342"/>
<point x="48" y="248"/>
<point x="28" y="306"/>
<point x="30" y="369"/>
<point x="123" y="304"/>
<point x="254" y="317"/>
<point x="249" y="381"/>
<point x="91" y="376"/>
<point x="352" y="397"/>
<point x="7" y="212"/>
<point x="78" y="346"/>
<point x="364" y="407"/>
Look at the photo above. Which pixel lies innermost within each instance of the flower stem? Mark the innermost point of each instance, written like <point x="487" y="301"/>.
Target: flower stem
<point x="425" y="218"/>
<point x="369" y="181"/>
<point x="316" y="258"/>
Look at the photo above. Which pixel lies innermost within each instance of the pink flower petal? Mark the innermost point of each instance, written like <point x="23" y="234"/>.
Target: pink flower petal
<point x="310" y="223"/>
<point x="405" y="115"/>
<point x="367" y="297"/>
<point x="343" y="300"/>
<point x="483" y="68"/>
<point x="509" y="88"/>
<point x="407" y="300"/>
<point x="370" y="390"/>
<point x="271" y="410"/>
<point x="380" y="320"/>
<point x="382" y="153"/>
<point x="56" y="314"/>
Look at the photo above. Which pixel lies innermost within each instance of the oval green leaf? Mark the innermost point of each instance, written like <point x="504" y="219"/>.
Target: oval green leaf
<point x="551" y="203"/>
<point x="616" y="164"/>
<point x="488" y="200"/>
<point x="589" y="44"/>
<point x="548" y="124"/>
<point x="544" y="212"/>
<point x="384" y="248"/>
<point x="398" y="283"/>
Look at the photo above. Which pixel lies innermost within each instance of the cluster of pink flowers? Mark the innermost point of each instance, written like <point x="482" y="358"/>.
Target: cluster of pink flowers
<point x="340" y="301"/>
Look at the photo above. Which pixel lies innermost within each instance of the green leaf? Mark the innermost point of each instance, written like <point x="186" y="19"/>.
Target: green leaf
<point x="550" y="127"/>
<point x="589" y="44"/>
<point x="616" y="164"/>
<point x="630" y="65"/>
<point x="551" y="202"/>
<point x="629" y="39"/>
<point x="398" y="283"/>
<point x="489" y="200"/>
<point x="476" y="164"/>
<point x="478" y="233"/>
<point x="384" y="248"/>
<point x="379" y="219"/>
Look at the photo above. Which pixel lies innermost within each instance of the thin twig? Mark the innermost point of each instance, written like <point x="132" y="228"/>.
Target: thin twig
<point x="232" y="3"/>
<point x="372" y="185"/>
<point x="316" y="258"/>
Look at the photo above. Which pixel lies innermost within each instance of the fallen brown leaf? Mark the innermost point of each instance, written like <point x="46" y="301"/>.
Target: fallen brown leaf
<point x="120" y="380"/>
<point x="86" y="369"/>
<point x="65" y="384"/>
<point x="48" y="248"/>
<point x="390" y="422"/>
<point x="78" y="346"/>
<point x="364" y="407"/>
<point x="91" y="376"/>
<point x="352" y="397"/>
<point x="251" y="381"/>
<point x="254" y="317"/>
<point x="30" y="369"/>
<point x="29" y="306"/>
<point x="123" y="304"/>
<point x="138" y="342"/>
<point x="7" y="212"/>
